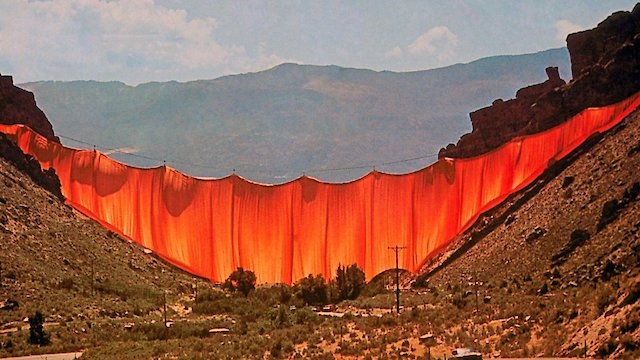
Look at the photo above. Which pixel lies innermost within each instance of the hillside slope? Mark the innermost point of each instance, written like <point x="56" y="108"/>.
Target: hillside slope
<point x="48" y="253"/>
<point x="273" y="125"/>
<point x="559" y="262"/>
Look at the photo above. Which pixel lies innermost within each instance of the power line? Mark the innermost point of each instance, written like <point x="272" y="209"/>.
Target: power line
<point x="341" y="168"/>
<point x="114" y="150"/>
<point x="119" y="151"/>
<point x="411" y="159"/>
<point x="372" y="166"/>
<point x="209" y="167"/>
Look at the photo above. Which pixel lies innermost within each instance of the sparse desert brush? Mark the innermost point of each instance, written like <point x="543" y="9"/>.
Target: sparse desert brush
<point x="67" y="283"/>
<point x="274" y="294"/>
<point x="604" y="295"/>
<point x="209" y="295"/>
<point x="125" y="291"/>
<point x="306" y="316"/>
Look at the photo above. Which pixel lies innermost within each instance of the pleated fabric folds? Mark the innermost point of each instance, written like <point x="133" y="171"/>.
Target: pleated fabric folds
<point x="285" y="232"/>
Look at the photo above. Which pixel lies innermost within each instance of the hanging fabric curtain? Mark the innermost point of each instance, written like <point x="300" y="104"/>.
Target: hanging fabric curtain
<point x="285" y="232"/>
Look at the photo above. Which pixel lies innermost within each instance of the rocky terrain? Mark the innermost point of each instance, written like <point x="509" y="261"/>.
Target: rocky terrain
<point x="560" y="260"/>
<point x="27" y="164"/>
<point x="605" y="63"/>
<point x="18" y="106"/>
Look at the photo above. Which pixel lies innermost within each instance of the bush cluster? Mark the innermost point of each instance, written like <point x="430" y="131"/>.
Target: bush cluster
<point x="347" y="285"/>
<point x="37" y="335"/>
<point x="349" y="282"/>
<point x="240" y="280"/>
<point x="312" y="290"/>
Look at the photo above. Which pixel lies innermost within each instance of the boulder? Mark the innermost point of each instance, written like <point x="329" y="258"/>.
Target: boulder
<point x="9" y="304"/>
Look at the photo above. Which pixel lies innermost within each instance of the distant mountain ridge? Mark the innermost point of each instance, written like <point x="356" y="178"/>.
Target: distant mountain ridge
<point x="273" y="126"/>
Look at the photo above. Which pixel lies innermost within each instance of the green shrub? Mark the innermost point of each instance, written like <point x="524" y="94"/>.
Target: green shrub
<point x="604" y="297"/>
<point x="373" y="288"/>
<point x="209" y="295"/>
<point x="37" y="335"/>
<point x="422" y="281"/>
<point x="459" y="301"/>
<point x="631" y="323"/>
<point x="607" y="348"/>
<point x="213" y="307"/>
<point x="66" y="283"/>
<point x="312" y="290"/>
<point x="305" y="316"/>
<point x="124" y="291"/>
<point x="609" y="213"/>
<point x="349" y="282"/>
<point x="241" y="280"/>
<point x="276" y="349"/>
<point x="282" y="317"/>
<point x="273" y="295"/>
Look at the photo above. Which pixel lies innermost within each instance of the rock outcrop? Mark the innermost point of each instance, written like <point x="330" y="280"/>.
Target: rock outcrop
<point x="18" y="106"/>
<point x="503" y="120"/>
<point x="605" y="63"/>
<point x="47" y="179"/>
<point x="590" y="47"/>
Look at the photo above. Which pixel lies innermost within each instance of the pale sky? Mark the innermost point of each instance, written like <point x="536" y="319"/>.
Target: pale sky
<point x="138" y="41"/>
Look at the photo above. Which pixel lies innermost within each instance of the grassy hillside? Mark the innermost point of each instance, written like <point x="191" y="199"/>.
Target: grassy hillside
<point x="272" y="126"/>
<point x="49" y="255"/>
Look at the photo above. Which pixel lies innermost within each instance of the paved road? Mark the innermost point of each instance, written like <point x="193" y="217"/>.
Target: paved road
<point x="64" y="356"/>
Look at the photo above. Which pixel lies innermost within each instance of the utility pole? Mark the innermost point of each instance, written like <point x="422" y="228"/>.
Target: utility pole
<point x="166" y="328"/>
<point x="585" y="348"/>
<point x="164" y="295"/>
<point x="92" y="276"/>
<point x="397" y="249"/>
<point x="476" y="284"/>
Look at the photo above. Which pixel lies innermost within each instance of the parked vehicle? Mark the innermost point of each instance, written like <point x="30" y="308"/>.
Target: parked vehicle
<point x="466" y="354"/>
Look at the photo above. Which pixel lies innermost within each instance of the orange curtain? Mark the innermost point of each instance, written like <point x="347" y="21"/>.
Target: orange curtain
<point x="285" y="232"/>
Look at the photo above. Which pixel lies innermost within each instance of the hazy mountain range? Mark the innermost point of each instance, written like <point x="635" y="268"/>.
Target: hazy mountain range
<point x="274" y="125"/>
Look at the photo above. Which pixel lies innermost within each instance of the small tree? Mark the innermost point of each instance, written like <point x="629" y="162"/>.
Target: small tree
<point x="241" y="280"/>
<point x="37" y="335"/>
<point x="312" y="290"/>
<point x="350" y="281"/>
<point x="282" y="317"/>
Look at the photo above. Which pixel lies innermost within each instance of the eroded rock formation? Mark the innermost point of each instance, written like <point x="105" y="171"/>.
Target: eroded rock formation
<point x="605" y="63"/>
<point x="48" y="179"/>
<point x="18" y="106"/>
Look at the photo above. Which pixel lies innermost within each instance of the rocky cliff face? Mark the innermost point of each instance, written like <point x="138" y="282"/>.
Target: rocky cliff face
<point x="503" y="120"/>
<point x="605" y="63"/>
<point x="18" y="106"/>
<point x="27" y="164"/>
